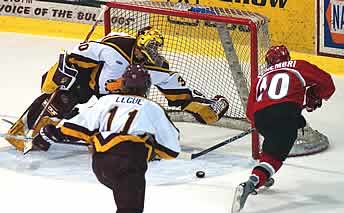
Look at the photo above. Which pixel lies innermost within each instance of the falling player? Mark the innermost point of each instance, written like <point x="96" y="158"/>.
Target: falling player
<point x="274" y="107"/>
<point x="95" y="68"/>
<point x="126" y="130"/>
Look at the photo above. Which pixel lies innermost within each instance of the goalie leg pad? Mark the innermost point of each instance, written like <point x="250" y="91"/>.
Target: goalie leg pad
<point x="27" y="120"/>
<point x="19" y="128"/>
<point x="207" y="111"/>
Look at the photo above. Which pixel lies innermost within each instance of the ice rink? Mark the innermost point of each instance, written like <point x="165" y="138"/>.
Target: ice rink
<point x="61" y="180"/>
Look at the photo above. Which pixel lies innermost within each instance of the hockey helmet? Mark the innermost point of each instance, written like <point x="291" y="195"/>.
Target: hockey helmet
<point x="277" y="54"/>
<point x="136" y="81"/>
<point x="149" y="40"/>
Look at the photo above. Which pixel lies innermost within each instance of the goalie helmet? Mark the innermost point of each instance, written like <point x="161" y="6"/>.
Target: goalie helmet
<point x="149" y="40"/>
<point x="277" y="54"/>
<point x="136" y="81"/>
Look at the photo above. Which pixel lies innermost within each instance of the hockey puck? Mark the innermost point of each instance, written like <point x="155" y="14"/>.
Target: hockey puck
<point x="200" y="174"/>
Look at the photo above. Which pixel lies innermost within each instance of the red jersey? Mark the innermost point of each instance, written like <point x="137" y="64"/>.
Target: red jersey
<point x="287" y="82"/>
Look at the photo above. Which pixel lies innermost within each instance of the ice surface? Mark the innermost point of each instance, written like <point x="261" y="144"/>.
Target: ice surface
<point x="62" y="181"/>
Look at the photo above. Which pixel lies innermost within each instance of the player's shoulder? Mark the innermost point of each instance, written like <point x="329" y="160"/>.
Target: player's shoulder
<point x="129" y="99"/>
<point x="302" y="62"/>
<point x="117" y="38"/>
<point x="153" y="105"/>
<point x="117" y="35"/>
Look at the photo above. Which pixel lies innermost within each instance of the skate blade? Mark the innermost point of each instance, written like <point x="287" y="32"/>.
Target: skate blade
<point x="236" y="200"/>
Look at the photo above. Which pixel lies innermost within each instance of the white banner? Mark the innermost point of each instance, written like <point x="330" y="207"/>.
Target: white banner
<point x="47" y="10"/>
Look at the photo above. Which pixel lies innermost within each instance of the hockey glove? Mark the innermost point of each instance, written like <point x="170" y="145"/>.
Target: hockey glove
<point x="46" y="136"/>
<point x="313" y="101"/>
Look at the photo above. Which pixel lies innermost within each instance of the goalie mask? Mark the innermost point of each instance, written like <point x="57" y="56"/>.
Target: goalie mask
<point x="149" y="40"/>
<point x="136" y="81"/>
<point x="277" y="54"/>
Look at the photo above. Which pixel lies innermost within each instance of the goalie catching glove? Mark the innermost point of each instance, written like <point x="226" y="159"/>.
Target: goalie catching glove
<point x="207" y="111"/>
<point x="313" y="101"/>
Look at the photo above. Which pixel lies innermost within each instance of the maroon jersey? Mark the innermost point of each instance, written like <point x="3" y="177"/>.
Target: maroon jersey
<point x="287" y="82"/>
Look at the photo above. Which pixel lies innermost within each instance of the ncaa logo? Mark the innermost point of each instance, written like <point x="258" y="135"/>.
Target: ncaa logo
<point x="334" y="15"/>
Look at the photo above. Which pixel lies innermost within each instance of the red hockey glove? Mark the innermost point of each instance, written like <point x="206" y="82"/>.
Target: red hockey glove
<point x="313" y="101"/>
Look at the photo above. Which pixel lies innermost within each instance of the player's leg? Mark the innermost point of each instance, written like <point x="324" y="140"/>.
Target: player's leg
<point x="278" y="125"/>
<point x="123" y="170"/>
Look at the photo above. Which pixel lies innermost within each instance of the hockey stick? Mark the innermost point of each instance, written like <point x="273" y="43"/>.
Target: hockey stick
<point x="182" y="155"/>
<point x="28" y="143"/>
<point x="188" y="156"/>
<point x="28" y="138"/>
<point x="7" y="121"/>
<point x="98" y="20"/>
<point x="18" y="137"/>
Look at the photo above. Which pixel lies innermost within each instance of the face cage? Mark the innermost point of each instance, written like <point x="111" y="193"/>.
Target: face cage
<point x="151" y="50"/>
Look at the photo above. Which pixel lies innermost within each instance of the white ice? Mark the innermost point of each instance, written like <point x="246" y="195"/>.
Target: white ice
<point x="61" y="180"/>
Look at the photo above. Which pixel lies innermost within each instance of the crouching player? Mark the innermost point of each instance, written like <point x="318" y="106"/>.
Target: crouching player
<point x="126" y="130"/>
<point x="95" y="69"/>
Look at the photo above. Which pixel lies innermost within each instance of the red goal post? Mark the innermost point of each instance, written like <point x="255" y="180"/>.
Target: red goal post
<point x="218" y="51"/>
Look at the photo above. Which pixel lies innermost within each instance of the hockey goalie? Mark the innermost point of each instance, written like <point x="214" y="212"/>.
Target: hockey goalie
<point x="95" y="68"/>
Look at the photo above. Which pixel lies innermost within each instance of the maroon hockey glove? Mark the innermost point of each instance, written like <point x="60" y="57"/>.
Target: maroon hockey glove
<point x="313" y="101"/>
<point x="46" y="136"/>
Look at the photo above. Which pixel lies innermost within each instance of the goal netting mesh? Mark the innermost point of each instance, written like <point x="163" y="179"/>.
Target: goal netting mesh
<point x="217" y="51"/>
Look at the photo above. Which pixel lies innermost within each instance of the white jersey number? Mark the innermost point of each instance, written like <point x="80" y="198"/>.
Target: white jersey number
<point x="277" y="87"/>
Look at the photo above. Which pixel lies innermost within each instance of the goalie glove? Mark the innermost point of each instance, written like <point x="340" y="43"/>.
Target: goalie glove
<point x="313" y="101"/>
<point x="47" y="135"/>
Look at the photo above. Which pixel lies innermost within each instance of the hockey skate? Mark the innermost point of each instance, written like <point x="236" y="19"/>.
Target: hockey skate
<point x="241" y="194"/>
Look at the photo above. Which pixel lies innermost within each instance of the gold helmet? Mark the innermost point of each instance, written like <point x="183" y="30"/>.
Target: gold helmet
<point x="149" y="40"/>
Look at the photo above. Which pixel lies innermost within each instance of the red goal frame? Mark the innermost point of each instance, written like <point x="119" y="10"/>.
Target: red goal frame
<point x="252" y="26"/>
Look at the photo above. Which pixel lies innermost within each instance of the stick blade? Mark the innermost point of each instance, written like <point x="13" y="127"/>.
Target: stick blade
<point x="27" y="146"/>
<point x="236" y="206"/>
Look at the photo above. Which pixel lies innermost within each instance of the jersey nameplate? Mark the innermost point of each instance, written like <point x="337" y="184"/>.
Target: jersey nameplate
<point x="129" y="100"/>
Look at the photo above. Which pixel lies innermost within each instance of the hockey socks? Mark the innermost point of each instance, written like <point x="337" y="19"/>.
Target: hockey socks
<point x="267" y="167"/>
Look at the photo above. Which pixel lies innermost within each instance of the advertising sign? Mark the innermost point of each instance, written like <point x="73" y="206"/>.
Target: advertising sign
<point x="331" y="28"/>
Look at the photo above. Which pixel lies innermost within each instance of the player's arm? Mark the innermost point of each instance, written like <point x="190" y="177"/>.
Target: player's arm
<point x="174" y="88"/>
<point x="320" y="81"/>
<point x="170" y="84"/>
<point x="320" y="85"/>
<point x="164" y="136"/>
<point x="80" y="127"/>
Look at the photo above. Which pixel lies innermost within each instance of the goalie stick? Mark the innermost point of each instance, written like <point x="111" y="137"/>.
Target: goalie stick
<point x="7" y="121"/>
<point x="182" y="155"/>
<point x="28" y="143"/>
<point x="98" y="20"/>
<point x="28" y="138"/>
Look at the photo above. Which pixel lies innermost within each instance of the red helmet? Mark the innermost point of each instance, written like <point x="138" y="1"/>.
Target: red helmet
<point x="136" y="81"/>
<point x="277" y="54"/>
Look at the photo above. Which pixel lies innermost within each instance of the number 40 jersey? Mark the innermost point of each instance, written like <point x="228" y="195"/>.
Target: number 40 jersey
<point x="287" y="82"/>
<point x="116" y="119"/>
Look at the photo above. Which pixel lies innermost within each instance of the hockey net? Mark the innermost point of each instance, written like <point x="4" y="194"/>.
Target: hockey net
<point x="217" y="51"/>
